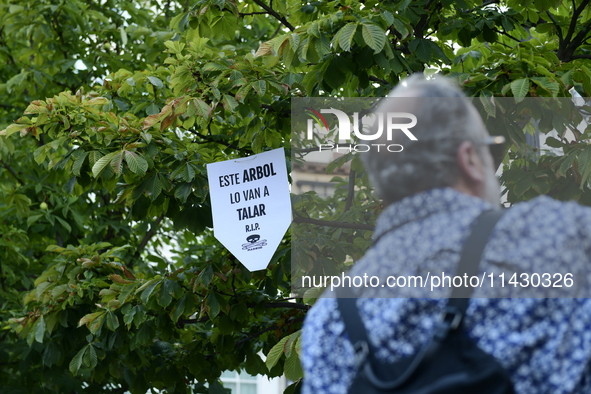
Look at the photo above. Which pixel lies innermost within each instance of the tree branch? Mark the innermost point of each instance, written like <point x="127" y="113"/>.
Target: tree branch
<point x="11" y="171"/>
<point x="211" y="139"/>
<point x="573" y="22"/>
<point x="580" y="57"/>
<point x="256" y="335"/>
<point x="558" y="29"/>
<point x="380" y="80"/>
<point x="253" y="13"/>
<point x="351" y="191"/>
<point x="9" y="54"/>
<point x="2" y="279"/>
<point x="284" y="113"/>
<point x="167" y="10"/>
<point x="290" y="305"/>
<point x="276" y="32"/>
<point x="259" y="333"/>
<point x="354" y="226"/>
<point x="149" y="234"/>
<point x="580" y="38"/>
<point x="7" y="106"/>
<point x="182" y="322"/>
<point x="273" y="13"/>
<point x="506" y="34"/>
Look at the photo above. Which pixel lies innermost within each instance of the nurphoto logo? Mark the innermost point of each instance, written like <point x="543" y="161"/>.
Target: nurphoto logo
<point x="388" y="121"/>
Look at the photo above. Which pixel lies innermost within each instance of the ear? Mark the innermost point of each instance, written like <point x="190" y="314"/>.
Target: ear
<point x="470" y="164"/>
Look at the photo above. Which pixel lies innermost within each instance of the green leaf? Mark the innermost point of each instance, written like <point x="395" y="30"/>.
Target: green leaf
<point x="465" y="37"/>
<point x="542" y="5"/>
<point x="33" y="218"/>
<point x="112" y="321"/>
<point x="128" y="317"/>
<point x="214" y="67"/>
<point x="387" y="17"/>
<point x="566" y="164"/>
<point x="156" y="82"/>
<point x="294" y="41"/>
<point x="69" y="186"/>
<point x="205" y="276"/>
<point x="523" y="185"/>
<point x="40" y="330"/>
<point x="260" y="87"/>
<point x="294" y="388"/>
<point x="519" y="88"/>
<point x="488" y="104"/>
<point x="76" y="362"/>
<point x="290" y="344"/>
<point x="544" y="27"/>
<point x="136" y="163"/>
<point x="117" y="162"/>
<point x="183" y="191"/>
<point x="153" y="187"/>
<point x="277" y="43"/>
<point x="78" y="163"/>
<point x="553" y="142"/>
<point x="64" y="224"/>
<point x="179" y="308"/>
<point x="548" y="84"/>
<point x="179" y="22"/>
<point x="166" y="290"/>
<point x="293" y="368"/>
<point x="400" y="28"/>
<point x="51" y="355"/>
<point x="188" y="173"/>
<point x="230" y="103"/>
<point x="333" y="75"/>
<point x="13" y="128"/>
<point x="422" y="49"/>
<point x="145" y="297"/>
<point x="346" y="34"/>
<point x="276" y="352"/>
<point x="586" y="80"/>
<point x="152" y="109"/>
<point x="90" y="359"/>
<point x="322" y="45"/>
<point x="272" y="138"/>
<point x="217" y="388"/>
<point x="584" y="160"/>
<point x="203" y="109"/>
<point x="101" y="163"/>
<point x="314" y="29"/>
<point x="312" y="294"/>
<point x="213" y="305"/>
<point x="567" y="77"/>
<point x="374" y="37"/>
<point x="123" y="34"/>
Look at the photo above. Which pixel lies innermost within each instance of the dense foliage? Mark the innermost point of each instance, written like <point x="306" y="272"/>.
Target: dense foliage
<point x="110" y="278"/>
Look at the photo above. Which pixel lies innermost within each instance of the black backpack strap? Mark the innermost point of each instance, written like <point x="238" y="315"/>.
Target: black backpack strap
<point x="470" y="263"/>
<point x="353" y="325"/>
<point x="457" y="303"/>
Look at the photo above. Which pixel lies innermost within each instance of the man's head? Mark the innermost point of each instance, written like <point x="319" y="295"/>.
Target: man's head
<point x="449" y="151"/>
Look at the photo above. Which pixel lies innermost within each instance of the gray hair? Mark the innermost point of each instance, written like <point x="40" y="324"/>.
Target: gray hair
<point x="442" y="124"/>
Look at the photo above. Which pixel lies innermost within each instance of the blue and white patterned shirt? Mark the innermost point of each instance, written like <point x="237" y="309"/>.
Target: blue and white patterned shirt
<point x="544" y="343"/>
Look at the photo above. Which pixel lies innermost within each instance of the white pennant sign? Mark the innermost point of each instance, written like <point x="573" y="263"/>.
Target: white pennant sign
<point x="250" y="205"/>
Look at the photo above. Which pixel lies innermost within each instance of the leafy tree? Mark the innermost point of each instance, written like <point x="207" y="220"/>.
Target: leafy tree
<point x="113" y="108"/>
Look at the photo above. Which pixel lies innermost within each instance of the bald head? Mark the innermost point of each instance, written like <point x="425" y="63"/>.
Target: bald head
<point x="445" y="117"/>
